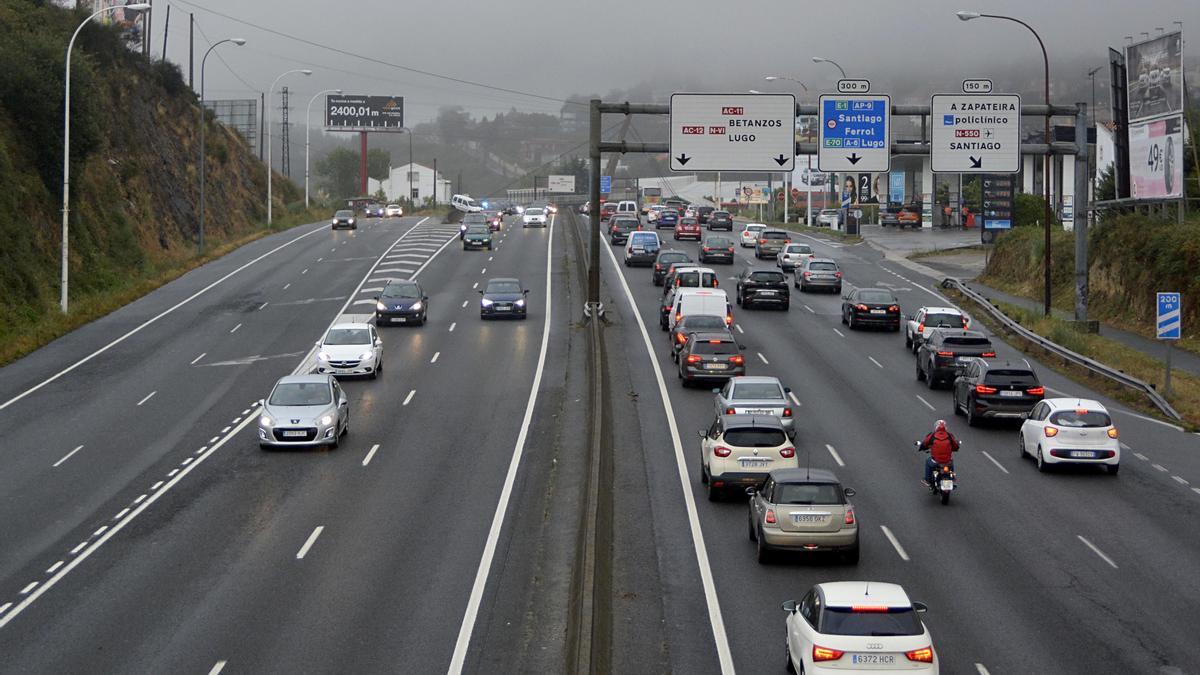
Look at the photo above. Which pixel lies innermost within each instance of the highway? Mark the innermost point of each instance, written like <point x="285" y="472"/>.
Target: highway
<point x="145" y="531"/>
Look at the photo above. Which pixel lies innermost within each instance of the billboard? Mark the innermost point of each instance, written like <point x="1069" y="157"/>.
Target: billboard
<point x="238" y="114"/>
<point x="345" y="112"/>
<point x="1154" y="72"/>
<point x="896" y="187"/>
<point x="560" y="184"/>
<point x="1156" y="159"/>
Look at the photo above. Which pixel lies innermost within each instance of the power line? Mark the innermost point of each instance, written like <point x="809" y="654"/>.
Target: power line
<point x="371" y="59"/>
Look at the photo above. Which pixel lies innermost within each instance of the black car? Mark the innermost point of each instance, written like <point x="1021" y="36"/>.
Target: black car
<point x="477" y="236"/>
<point x="720" y="220"/>
<point x="710" y="355"/>
<point x="401" y="302"/>
<point x="694" y="323"/>
<point x="344" y="218"/>
<point x="503" y="297"/>
<point x="470" y="219"/>
<point x="373" y="211"/>
<point x="996" y="389"/>
<point x="947" y="351"/>
<point x="763" y="287"/>
<point x="717" y="249"/>
<point x="664" y="261"/>
<point x="871" y="307"/>
<point x="703" y="213"/>
<point x="619" y="229"/>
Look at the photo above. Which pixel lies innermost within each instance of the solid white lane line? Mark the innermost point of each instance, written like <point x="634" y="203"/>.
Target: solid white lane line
<point x="68" y="455"/>
<point x="452" y="325"/>
<point x="54" y="567"/>
<point x="312" y="539"/>
<point x="810" y="309"/>
<point x="836" y="457"/>
<point x="410" y="396"/>
<point x="1196" y="490"/>
<point x="204" y="354"/>
<point x="998" y="464"/>
<point x="370" y="454"/>
<point x="1179" y="480"/>
<point x="1097" y="551"/>
<point x="465" y="303"/>
<point x="148" y="397"/>
<point x="151" y="320"/>
<point x="217" y="668"/>
<point x="874" y="361"/>
<point x="1176" y="427"/>
<point x="895" y="543"/>
<point x="463" y="643"/>
<point x="927" y="405"/>
<point x="763" y="358"/>
<point x="435" y="357"/>
<point x="235" y="328"/>
<point x="839" y="332"/>
<point x="795" y="400"/>
<point x="1160" y="467"/>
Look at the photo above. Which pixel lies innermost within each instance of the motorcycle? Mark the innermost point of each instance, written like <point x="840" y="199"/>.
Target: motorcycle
<point x="944" y="479"/>
<point x="462" y="230"/>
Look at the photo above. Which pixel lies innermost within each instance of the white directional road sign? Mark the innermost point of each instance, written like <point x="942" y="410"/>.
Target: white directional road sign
<point x="856" y="133"/>
<point x="733" y="132"/>
<point x="976" y="133"/>
<point x="560" y="184"/>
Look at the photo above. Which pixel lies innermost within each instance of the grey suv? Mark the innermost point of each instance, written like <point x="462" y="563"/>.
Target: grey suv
<point x="771" y="242"/>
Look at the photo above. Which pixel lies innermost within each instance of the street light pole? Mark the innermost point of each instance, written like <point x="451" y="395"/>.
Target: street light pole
<point x="66" y="187"/>
<point x="818" y="59"/>
<point x="967" y="16"/>
<point x="239" y="42"/>
<point x="307" y="127"/>
<point x="270" y="121"/>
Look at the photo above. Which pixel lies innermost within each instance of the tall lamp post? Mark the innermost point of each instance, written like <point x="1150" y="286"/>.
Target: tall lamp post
<point x="787" y="183"/>
<point x="307" y="126"/>
<point x="967" y="16"/>
<point x="204" y="61"/>
<point x="818" y="59"/>
<point x="270" y="121"/>
<point x="66" y="188"/>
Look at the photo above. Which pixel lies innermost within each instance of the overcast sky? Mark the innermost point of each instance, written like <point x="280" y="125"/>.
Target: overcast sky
<point x="568" y="47"/>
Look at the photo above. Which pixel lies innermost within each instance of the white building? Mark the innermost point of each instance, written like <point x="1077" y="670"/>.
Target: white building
<point x="421" y="178"/>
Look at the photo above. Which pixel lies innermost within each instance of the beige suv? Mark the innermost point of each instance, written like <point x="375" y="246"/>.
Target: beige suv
<point x="739" y="451"/>
<point x="803" y="510"/>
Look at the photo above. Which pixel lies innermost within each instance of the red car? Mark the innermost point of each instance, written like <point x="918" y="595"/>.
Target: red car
<point x="607" y="210"/>
<point x="687" y="228"/>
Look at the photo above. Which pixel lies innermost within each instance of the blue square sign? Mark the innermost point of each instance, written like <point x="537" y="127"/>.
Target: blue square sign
<point x="948" y="120"/>
<point x="605" y="184"/>
<point x="1170" y="317"/>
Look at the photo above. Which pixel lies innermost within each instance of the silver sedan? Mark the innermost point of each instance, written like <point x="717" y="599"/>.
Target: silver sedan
<point x="304" y="411"/>
<point x="756" y="395"/>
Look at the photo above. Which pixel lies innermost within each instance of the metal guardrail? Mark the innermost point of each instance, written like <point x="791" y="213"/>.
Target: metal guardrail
<point x="1078" y="359"/>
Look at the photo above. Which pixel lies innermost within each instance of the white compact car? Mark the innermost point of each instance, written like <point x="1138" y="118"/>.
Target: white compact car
<point x="829" y="218"/>
<point x="350" y="349"/>
<point x="740" y="451"/>
<point x="858" y="627"/>
<point x="749" y="237"/>
<point x="393" y="211"/>
<point x="918" y="327"/>
<point x="533" y="217"/>
<point x="1071" y="431"/>
<point x="792" y="256"/>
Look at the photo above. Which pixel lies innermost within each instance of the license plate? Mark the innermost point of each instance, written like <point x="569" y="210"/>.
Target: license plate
<point x="879" y="311"/>
<point x="751" y="462"/>
<point x="1083" y="454"/>
<point x="766" y="292"/>
<point x="1011" y="394"/>
<point x="799" y="518"/>
<point x="295" y="434"/>
<point x="714" y="366"/>
<point x="399" y="319"/>
<point x="947" y="485"/>
<point x="874" y="659"/>
<point x="759" y="411"/>
<point x="638" y="249"/>
<point x="503" y="309"/>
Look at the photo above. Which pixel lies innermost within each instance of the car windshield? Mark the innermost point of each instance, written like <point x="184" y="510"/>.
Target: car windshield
<point x="713" y="347"/>
<point x="477" y="229"/>
<point x="348" y="336"/>
<point x="692" y="279"/>
<point x="301" y="393"/>
<point x="755" y="228"/>
<point x="807" y="493"/>
<point x="829" y="212"/>
<point x="668" y="258"/>
<point x="1021" y="377"/>
<point x="702" y="322"/>
<point x="392" y="206"/>
<point x="1080" y="419"/>
<point x="822" y="266"/>
<point x="719" y="214"/>
<point x="755" y="438"/>
<point x="943" y="320"/>
<point x="718" y="242"/>
<point x="625" y="224"/>
<point x="798" y="248"/>
<point x="870" y="621"/>
<point x="503" y="287"/>
<point x="775" y="235"/>
<point x="757" y="391"/>
<point x="343" y="214"/>
<point x="475" y="218"/>
<point x="967" y="341"/>
<point x="876" y="296"/>
<point x="689" y="221"/>
<point x="401" y="291"/>
<point x="767" y="277"/>
<point x="644" y="238"/>
<point x="534" y="212"/>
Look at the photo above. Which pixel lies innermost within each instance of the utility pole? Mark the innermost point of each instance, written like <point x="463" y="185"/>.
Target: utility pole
<point x="192" y="56"/>
<point x="285" y="148"/>
<point x="166" y="30"/>
<point x="262" y="117"/>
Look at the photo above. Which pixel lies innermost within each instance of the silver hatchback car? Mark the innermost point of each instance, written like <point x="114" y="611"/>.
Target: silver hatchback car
<point x="304" y="411"/>
<point x="818" y="273"/>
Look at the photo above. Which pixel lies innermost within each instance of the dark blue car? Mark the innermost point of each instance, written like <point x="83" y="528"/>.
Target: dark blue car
<point x="668" y="218"/>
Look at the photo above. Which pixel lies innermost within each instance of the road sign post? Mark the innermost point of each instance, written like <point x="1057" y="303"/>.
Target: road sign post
<point x="1170" y="328"/>
<point x="856" y="133"/>
<point x="976" y="133"/>
<point x="733" y="132"/>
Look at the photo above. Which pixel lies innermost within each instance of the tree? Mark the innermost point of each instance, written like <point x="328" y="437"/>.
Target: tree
<point x="379" y="162"/>
<point x="339" y="169"/>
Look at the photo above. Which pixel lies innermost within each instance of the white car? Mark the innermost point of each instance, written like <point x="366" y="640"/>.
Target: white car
<point x="750" y="234"/>
<point x="792" y="256"/>
<point x="918" y="327"/>
<point x="858" y="627"/>
<point x="740" y="451"/>
<point x="533" y="217"/>
<point x="393" y="211"/>
<point x="350" y="349"/>
<point x="829" y="218"/>
<point x="1071" y="431"/>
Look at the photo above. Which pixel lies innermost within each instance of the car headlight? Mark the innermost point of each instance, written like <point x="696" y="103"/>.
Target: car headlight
<point x="265" y="421"/>
<point x="380" y="306"/>
<point x="323" y="356"/>
<point x="365" y="355"/>
<point x="351" y="221"/>
<point x="327" y="420"/>
<point x="485" y="302"/>
<point x="520" y="303"/>
<point x="416" y="306"/>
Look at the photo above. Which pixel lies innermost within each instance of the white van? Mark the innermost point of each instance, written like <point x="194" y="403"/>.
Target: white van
<point x="465" y="204"/>
<point x="628" y="208"/>
<point x="642" y="248"/>
<point x="710" y="301"/>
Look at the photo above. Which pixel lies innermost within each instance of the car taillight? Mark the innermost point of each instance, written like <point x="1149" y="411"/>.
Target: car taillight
<point x="787" y="412"/>
<point x="730" y="411"/>
<point x="1112" y="432"/>
<point x="678" y="316"/>
<point x="807" y="275"/>
<point x="787" y="453"/>
<point x="894" y="308"/>
<point x="707" y="249"/>
<point x="988" y="355"/>
<point x="1036" y="391"/>
<point x="861" y="308"/>
<point x="737" y="359"/>
<point x="657" y="267"/>
<point x="921" y="327"/>
<point x="731" y="249"/>
<point x="722" y="451"/>
<point x="826" y="654"/>
<point x="762" y="241"/>
<point x="849" y="520"/>
<point x="984" y="389"/>
<point x="770" y="517"/>
<point x="681" y="338"/>
<point x="966" y="323"/>
<point x="945" y="353"/>
<point x="693" y="358"/>
<point x="838" y="275"/>
<point x="1050" y="432"/>
<point x="922" y="655"/>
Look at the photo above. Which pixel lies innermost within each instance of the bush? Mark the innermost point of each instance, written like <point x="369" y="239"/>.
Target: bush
<point x="1028" y="210"/>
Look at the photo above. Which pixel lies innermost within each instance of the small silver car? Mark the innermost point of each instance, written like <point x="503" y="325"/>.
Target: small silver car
<point x="304" y="411"/>
<point x="818" y="273"/>
<point x="792" y="255"/>
<point x="756" y="395"/>
<point x="350" y="349"/>
<point x="803" y="510"/>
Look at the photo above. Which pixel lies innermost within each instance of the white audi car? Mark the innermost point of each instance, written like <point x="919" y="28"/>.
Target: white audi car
<point x="858" y="627"/>
<point x="1071" y="431"/>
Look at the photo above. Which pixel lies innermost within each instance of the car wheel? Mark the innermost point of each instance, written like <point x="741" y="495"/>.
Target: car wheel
<point x="337" y="441"/>
<point x="920" y="372"/>
<point x="843" y="316"/>
<point x="753" y="534"/>
<point x="1041" y="463"/>
<point x="850" y="321"/>
<point x="1112" y="469"/>
<point x="930" y="379"/>
<point x="786" y="305"/>
<point x="738" y="299"/>
<point x="851" y="556"/>
<point x="954" y="397"/>
<point x="972" y="419"/>
<point x="703" y="473"/>
<point x="375" y="373"/>
<point x="787" y="651"/>
<point x="762" y="553"/>
<point x="1021" y="444"/>
<point x="714" y="494"/>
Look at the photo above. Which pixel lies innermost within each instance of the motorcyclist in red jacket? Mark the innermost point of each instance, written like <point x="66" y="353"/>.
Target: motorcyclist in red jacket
<point x="941" y="445"/>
